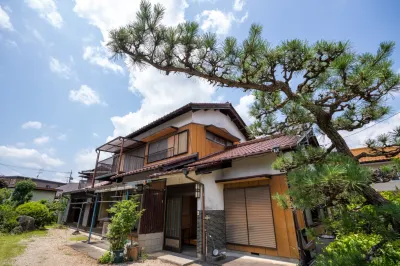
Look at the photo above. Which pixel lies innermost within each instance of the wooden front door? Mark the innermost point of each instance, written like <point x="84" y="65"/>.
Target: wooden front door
<point x="173" y="225"/>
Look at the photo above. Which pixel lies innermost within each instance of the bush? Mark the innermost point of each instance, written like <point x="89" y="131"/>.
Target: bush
<point x="106" y="258"/>
<point x="352" y="249"/>
<point x="37" y="211"/>
<point x="23" y="192"/>
<point x="8" y="218"/>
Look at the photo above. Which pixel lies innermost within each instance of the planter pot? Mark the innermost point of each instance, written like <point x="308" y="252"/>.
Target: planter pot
<point x="132" y="253"/>
<point x="118" y="255"/>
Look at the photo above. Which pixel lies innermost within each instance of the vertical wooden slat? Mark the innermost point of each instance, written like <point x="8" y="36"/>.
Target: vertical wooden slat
<point x="259" y="217"/>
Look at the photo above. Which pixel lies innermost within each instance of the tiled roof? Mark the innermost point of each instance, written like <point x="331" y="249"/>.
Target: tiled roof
<point x="249" y="148"/>
<point x="226" y="108"/>
<point x="100" y="184"/>
<point x="157" y="165"/>
<point x="357" y="151"/>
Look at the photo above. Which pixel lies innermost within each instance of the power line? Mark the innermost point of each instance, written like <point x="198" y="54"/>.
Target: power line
<point x="33" y="169"/>
<point x="371" y="125"/>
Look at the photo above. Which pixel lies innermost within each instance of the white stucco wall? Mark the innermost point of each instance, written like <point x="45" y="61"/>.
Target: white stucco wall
<point x="176" y="122"/>
<point x="216" y="118"/>
<point x="250" y="166"/>
<point x="213" y="192"/>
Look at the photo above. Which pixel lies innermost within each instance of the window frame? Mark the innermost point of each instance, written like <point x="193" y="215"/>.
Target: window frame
<point x="173" y="148"/>
<point x="225" y="144"/>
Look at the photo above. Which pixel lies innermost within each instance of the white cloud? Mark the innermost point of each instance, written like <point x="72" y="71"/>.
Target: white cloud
<point x="59" y="68"/>
<point x="29" y="157"/>
<point x="41" y="140"/>
<point x="98" y="56"/>
<point x="161" y="94"/>
<point x="47" y="10"/>
<point x="95" y="135"/>
<point x="20" y="144"/>
<point x="244" y="106"/>
<point x="32" y="124"/>
<point x="85" y="95"/>
<point x="38" y="36"/>
<point x="5" y="22"/>
<point x="12" y="44"/>
<point x="85" y="159"/>
<point x="238" y="5"/>
<point x="62" y="137"/>
<point x="218" y="21"/>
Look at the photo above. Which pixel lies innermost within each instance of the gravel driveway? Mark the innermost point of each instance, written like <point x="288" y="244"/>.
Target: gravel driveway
<point x="53" y="250"/>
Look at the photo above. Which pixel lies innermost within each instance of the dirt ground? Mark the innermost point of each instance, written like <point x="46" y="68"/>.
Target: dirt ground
<point x="53" y="250"/>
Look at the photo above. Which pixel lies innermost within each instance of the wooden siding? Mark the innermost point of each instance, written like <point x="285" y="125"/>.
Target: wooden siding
<point x="152" y="220"/>
<point x="286" y="243"/>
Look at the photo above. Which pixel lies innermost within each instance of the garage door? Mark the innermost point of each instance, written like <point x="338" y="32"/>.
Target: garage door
<point x="248" y="215"/>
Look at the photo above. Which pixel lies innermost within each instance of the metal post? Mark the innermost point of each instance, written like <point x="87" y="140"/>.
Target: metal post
<point x="79" y="219"/>
<point x="93" y="217"/>
<point x="120" y="156"/>
<point x="95" y="168"/>
<point x="127" y="194"/>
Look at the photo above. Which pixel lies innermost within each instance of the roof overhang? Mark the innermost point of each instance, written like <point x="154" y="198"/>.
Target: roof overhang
<point x="222" y="132"/>
<point x="116" y="144"/>
<point x="163" y="132"/>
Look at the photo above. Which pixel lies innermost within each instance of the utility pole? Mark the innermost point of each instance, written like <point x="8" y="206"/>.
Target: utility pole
<point x="70" y="177"/>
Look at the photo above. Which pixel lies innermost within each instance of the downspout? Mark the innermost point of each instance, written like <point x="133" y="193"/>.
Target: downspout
<point x="203" y="213"/>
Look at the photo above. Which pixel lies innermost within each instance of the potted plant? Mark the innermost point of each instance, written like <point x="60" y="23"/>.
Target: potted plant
<point x="132" y="251"/>
<point x="125" y="215"/>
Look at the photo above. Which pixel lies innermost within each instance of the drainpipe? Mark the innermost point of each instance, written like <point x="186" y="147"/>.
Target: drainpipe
<point x="93" y="216"/>
<point x="203" y="226"/>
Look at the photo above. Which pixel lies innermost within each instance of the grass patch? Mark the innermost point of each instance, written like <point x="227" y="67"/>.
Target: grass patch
<point x="11" y="246"/>
<point x="78" y="238"/>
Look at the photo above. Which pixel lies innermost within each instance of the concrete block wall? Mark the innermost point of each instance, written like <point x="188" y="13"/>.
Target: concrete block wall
<point x="151" y="242"/>
<point x="215" y="226"/>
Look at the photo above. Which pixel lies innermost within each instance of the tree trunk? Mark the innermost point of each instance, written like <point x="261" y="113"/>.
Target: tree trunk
<point x="371" y="195"/>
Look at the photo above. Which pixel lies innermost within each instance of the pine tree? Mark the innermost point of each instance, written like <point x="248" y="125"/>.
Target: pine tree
<point x="339" y="89"/>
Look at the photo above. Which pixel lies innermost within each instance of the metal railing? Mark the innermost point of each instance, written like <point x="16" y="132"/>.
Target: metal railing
<point x="161" y="155"/>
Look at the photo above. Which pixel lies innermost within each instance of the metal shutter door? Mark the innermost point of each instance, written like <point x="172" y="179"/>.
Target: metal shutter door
<point x="260" y="218"/>
<point x="235" y="216"/>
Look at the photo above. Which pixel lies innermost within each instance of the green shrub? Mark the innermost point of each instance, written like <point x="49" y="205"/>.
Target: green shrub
<point x="352" y="249"/>
<point x="36" y="210"/>
<point x="5" y="195"/>
<point x="106" y="258"/>
<point x="8" y="218"/>
<point x="23" y="192"/>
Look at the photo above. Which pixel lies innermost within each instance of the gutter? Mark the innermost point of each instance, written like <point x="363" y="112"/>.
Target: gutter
<point x="203" y="226"/>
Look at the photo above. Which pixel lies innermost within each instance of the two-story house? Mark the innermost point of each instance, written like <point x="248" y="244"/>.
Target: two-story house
<point x="202" y="182"/>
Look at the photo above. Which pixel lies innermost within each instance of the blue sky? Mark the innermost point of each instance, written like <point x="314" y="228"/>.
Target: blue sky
<point x="61" y="95"/>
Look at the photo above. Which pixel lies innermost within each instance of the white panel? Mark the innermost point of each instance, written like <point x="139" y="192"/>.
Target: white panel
<point x="216" y="118"/>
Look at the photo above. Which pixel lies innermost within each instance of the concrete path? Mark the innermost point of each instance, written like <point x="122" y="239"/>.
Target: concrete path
<point x="174" y="258"/>
<point x="88" y="249"/>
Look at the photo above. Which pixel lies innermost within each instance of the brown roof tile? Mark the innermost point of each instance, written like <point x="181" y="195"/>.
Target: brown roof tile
<point x="249" y="148"/>
<point x="357" y="151"/>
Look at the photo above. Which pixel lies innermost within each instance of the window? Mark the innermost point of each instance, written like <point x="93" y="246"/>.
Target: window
<point x="218" y="139"/>
<point x="168" y="147"/>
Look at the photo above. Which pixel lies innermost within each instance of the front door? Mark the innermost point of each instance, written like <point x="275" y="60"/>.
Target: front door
<point x="173" y="225"/>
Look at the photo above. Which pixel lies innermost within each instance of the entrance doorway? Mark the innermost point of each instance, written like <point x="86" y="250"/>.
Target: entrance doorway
<point x="180" y="233"/>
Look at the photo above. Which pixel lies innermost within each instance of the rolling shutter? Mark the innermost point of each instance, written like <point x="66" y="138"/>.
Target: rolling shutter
<point x="235" y="216"/>
<point x="259" y="217"/>
<point x="248" y="217"/>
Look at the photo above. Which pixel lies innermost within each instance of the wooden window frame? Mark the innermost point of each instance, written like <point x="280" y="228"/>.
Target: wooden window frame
<point x="177" y="154"/>
<point x="225" y="144"/>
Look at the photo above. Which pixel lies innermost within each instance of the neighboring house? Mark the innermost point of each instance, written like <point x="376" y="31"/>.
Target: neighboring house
<point x="45" y="189"/>
<point x="197" y="159"/>
<point x="375" y="163"/>
<point x="66" y="188"/>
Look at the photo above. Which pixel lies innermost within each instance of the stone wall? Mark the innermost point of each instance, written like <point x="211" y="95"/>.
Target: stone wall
<point x="215" y="226"/>
<point x="151" y="242"/>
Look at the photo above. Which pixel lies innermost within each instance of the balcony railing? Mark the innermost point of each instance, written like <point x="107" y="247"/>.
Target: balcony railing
<point x="161" y="155"/>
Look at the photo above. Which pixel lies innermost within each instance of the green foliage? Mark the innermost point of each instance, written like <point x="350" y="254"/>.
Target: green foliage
<point x="106" y="258"/>
<point x="3" y="183"/>
<point x="54" y="207"/>
<point x="37" y="211"/>
<point x="125" y="215"/>
<point x="8" y="217"/>
<point x="351" y="250"/>
<point x="5" y="195"/>
<point x="393" y="196"/>
<point x="23" y="192"/>
<point x="336" y="179"/>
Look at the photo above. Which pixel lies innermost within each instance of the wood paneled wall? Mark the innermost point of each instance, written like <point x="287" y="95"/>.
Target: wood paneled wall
<point x="286" y="243"/>
<point x="197" y="142"/>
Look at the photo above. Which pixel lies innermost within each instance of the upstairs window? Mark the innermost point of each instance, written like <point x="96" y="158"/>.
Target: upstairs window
<point x="168" y="147"/>
<point x="218" y="139"/>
